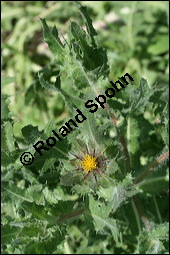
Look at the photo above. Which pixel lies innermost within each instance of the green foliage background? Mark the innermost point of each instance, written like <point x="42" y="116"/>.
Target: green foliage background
<point x="51" y="67"/>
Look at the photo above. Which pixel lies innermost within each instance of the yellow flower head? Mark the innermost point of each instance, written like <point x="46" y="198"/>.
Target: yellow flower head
<point x="89" y="163"/>
<point x="92" y="163"/>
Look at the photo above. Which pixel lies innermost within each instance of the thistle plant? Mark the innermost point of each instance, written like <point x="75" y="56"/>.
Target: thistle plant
<point x="90" y="162"/>
<point x="101" y="188"/>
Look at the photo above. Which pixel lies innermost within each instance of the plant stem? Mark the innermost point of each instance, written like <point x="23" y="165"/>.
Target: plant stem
<point x="68" y="216"/>
<point x="157" y="162"/>
<point x="143" y="217"/>
<point x="122" y="140"/>
<point x="157" y="209"/>
<point x="126" y="153"/>
<point x="137" y="216"/>
<point x="135" y="204"/>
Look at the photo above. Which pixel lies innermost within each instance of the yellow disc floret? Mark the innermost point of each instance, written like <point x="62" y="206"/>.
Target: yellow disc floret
<point x="89" y="163"/>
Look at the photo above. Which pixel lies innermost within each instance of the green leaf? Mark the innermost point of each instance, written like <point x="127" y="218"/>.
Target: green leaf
<point x="29" y="176"/>
<point x="9" y="233"/>
<point x="88" y="22"/>
<point x="31" y="134"/>
<point x="47" y="85"/>
<point x="10" y="141"/>
<point x="152" y="241"/>
<point x="79" y="36"/>
<point x="100" y="213"/>
<point x="93" y="132"/>
<point x="7" y="80"/>
<point x="48" y="128"/>
<point x="91" y="58"/>
<point x="53" y="41"/>
<point x="55" y="195"/>
<point x="37" y="211"/>
<point x="35" y="192"/>
<point x="4" y="107"/>
<point x="34" y="247"/>
<point x="117" y="193"/>
<point x="17" y="193"/>
<point x="160" y="46"/>
<point x="82" y="190"/>
<point x="47" y="246"/>
<point x="32" y="230"/>
<point x="135" y="99"/>
<point x="6" y="159"/>
<point x="155" y="183"/>
<point x="69" y="179"/>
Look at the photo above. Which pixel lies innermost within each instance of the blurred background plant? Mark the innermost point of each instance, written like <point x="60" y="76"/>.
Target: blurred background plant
<point x="135" y="34"/>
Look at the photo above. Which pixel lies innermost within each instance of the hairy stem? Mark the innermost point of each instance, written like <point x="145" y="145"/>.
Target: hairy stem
<point x="127" y="168"/>
<point x="157" y="162"/>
